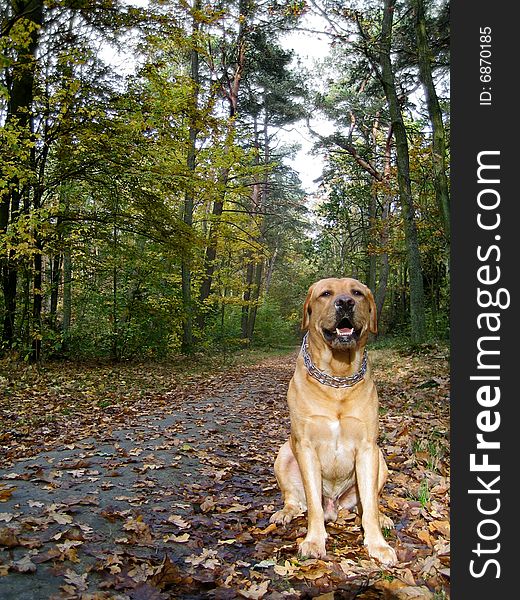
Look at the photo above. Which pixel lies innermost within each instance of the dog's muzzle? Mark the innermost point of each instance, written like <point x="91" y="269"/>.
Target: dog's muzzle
<point x="343" y="333"/>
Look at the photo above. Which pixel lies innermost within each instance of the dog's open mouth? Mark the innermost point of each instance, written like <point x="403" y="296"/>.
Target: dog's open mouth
<point x="344" y="332"/>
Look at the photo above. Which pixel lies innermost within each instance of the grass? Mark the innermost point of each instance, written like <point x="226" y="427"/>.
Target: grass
<point x="433" y="447"/>
<point x="423" y="493"/>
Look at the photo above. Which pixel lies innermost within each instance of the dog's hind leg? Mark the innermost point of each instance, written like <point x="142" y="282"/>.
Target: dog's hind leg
<point x="289" y="479"/>
<point x="350" y="499"/>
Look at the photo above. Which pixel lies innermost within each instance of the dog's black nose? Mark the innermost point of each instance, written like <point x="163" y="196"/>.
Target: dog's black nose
<point x="343" y="302"/>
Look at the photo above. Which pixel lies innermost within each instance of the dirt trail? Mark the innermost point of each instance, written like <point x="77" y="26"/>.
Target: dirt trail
<point x="172" y="499"/>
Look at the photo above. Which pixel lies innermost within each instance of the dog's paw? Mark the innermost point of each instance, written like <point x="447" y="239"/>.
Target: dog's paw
<point x="382" y="553"/>
<point x="312" y="549"/>
<point x="284" y="516"/>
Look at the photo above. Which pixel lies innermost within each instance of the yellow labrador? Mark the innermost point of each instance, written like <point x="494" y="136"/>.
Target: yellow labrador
<point x="332" y="460"/>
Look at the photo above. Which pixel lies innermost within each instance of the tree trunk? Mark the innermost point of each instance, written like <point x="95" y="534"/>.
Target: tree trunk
<point x="211" y="248"/>
<point x="440" y="180"/>
<point x="37" y="303"/>
<point x="372" y="255"/>
<point x="384" y="266"/>
<point x="187" y="216"/>
<point x="417" y="315"/>
<point x="230" y="91"/>
<point x="259" y="207"/>
<point x="270" y="270"/>
<point x="116" y="351"/>
<point x="246" y="300"/>
<point x="67" y="291"/>
<point x="18" y="117"/>
<point x="259" y="269"/>
<point x="55" y="278"/>
<point x="9" y="285"/>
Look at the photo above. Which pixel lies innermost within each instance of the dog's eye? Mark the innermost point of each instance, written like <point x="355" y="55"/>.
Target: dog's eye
<point x="357" y="293"/>
<point x="326" y="293"/>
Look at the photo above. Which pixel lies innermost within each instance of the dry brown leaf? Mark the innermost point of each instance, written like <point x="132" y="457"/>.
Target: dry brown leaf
<point x="268" y="529"/>
<point x="406" y="576"/>
<point x="179" y="522"/>
<point x="179" y="539"/>
<point x="9" y="537"/>
<point x="208" y="504"/>
<point x="167" y="574"/>
<point x="285" y="570"/>
<point x="443" y="527"/>
<point x="208" y="559"/>
<point x="256" y="590"/>
<point x="61" y="518"/>
<point x="139" y="528"/>
<point x="313" y="569"/>
<point x="425" y="537"/>
<point x="237" y="508"/>
<point x="78" y="581"/>
<point x="398" y="590"/>
<point x="6" y="492"/>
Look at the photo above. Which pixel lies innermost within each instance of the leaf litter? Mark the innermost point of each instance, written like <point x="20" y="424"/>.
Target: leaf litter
<point x="132" y="482"/>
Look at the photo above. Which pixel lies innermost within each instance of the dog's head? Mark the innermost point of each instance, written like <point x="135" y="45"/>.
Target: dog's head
<point x="341" y="312"/>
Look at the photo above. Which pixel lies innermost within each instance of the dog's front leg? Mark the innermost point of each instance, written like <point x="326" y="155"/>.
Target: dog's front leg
<point x="367" y="474"/>
<point x="310" y="469"/>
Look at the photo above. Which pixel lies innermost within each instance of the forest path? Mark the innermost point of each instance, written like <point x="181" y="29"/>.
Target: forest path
<point x="125" y="483"/>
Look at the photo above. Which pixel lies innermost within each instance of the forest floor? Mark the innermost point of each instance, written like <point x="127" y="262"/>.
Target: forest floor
<point x="137" y="482"/>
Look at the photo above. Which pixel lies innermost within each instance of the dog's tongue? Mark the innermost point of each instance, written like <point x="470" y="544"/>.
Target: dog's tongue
<point x="344" y="330"/>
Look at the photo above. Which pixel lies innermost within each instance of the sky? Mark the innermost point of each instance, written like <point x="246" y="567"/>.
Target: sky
<point x="310" y="48"/>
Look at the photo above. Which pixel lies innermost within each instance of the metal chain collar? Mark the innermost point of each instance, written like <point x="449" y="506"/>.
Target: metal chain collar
<point x="331" y="380"/>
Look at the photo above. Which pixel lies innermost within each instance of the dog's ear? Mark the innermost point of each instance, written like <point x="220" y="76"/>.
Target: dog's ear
<point x="372" y="325"/>
<point x="307" y="308"/>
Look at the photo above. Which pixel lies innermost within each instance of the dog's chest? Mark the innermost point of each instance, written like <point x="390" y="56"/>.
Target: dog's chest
<point x="335" y="443"/>
<point x="336" y="436"/>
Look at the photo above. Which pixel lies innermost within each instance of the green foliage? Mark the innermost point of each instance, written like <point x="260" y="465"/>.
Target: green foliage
<point x="97" y="171"/>
<point x="275" y="330"/>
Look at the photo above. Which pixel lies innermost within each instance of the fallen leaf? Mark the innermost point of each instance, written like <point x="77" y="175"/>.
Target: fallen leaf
<point x="256" y="590"/>
<point x="8" y="537"/>
<point x="313" y="569"/>
<point x="285" y="570"/>
<point x="443" y="527"/>
<point x="237" y="508"/>
<point x="207" y="559"/>
<point x="208" y="504"/>
<point x="179" y="522"/>
<point x="6" y="517"/>
<point x="167" y="574"/>
<point x="265" y="564"/>
<point x="24" y="565"/>
<point x="425" y="537"/>
<point x="180" y="539"/>
<point x="61" y="518"/>
<point x="139" y="528"/>
<point x="6" y="492"/>
<point x="78" y="581"/>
